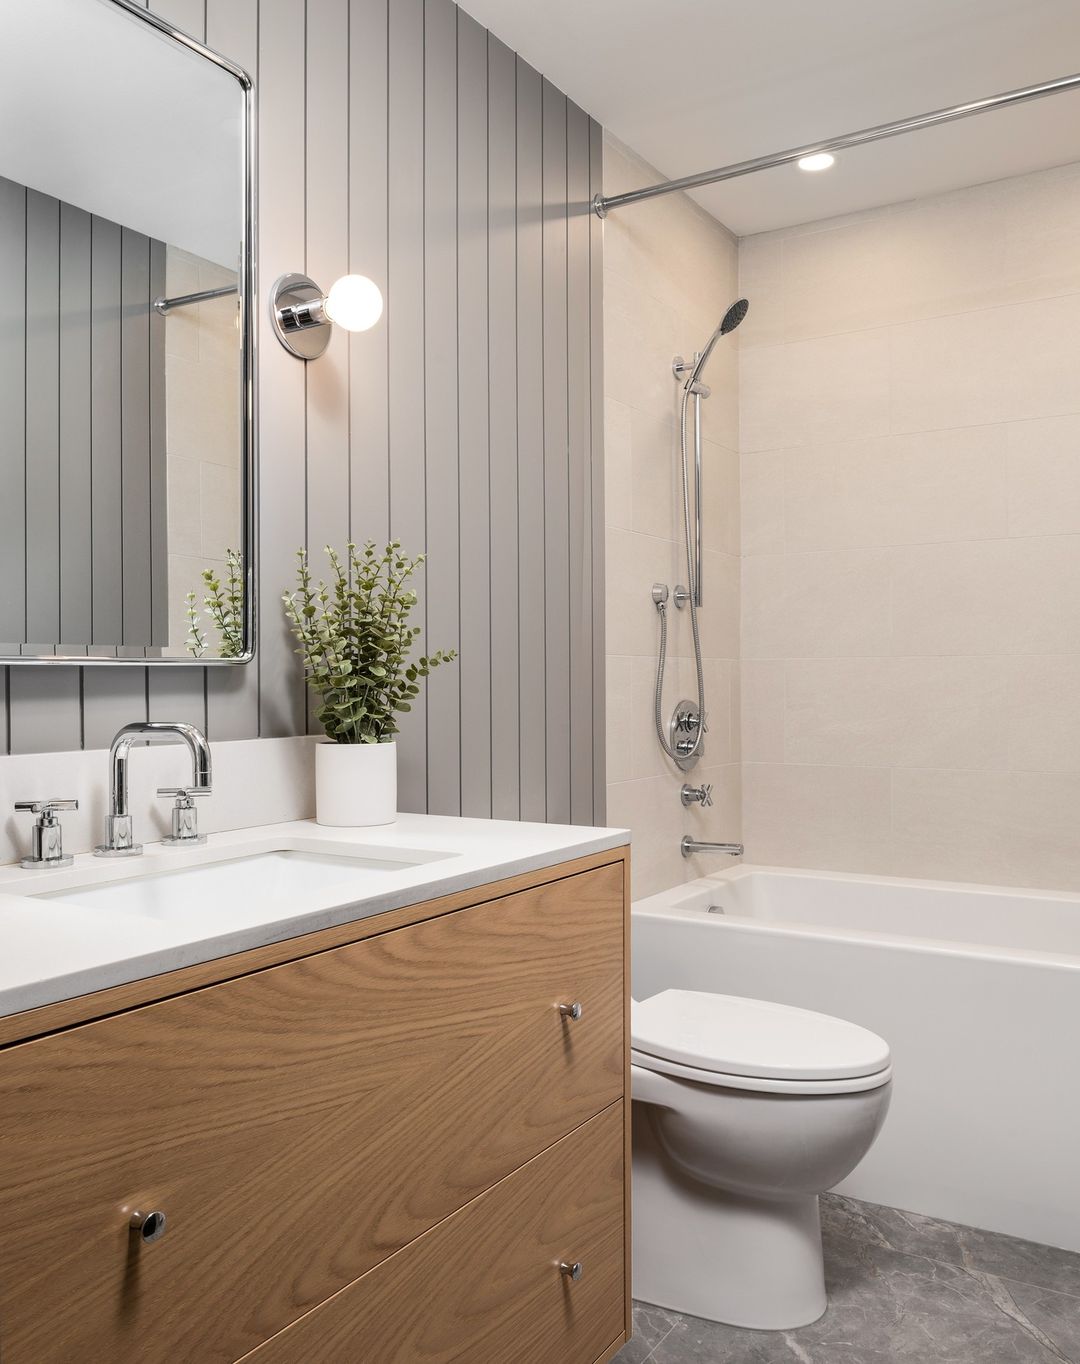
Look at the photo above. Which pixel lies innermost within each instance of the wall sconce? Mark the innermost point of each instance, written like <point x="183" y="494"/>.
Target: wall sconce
<point x="304" y="317"/>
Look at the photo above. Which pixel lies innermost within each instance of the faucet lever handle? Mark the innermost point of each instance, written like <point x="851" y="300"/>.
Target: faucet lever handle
<point x="185" y="821"/>
<point x="48" y="836"/>
<point x="45" y="807"/>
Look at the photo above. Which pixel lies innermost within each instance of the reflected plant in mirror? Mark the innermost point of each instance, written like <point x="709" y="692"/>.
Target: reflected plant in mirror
<point x="356" y="640"/>
<point x="225" y="607"/>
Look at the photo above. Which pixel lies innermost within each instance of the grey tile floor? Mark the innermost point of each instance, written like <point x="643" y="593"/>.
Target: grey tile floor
<point x="902" y="1288"/>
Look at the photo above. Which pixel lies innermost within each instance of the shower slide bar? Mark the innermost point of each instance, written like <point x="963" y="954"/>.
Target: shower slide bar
<point x="603" y="204"/>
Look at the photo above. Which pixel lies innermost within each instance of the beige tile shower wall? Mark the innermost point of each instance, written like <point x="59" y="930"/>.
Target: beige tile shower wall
<point x="670" y="271"/>
<point x="202" y="415"/>
<point x="910" y="437"/>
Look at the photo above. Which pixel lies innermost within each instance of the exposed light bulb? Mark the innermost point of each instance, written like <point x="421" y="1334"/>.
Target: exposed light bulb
<point x="354" y="302"/>
<point x="816" y="161"/>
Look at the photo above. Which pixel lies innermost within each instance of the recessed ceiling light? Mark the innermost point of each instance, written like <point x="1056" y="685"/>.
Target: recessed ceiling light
<point x="816" y="161"/>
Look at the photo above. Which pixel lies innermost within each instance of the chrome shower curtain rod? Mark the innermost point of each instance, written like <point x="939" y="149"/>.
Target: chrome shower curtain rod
<point x="603" y="204"/>
<point x="166" y="305"/>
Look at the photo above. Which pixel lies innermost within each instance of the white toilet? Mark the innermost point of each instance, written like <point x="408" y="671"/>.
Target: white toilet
<point x="744" y="1112"/>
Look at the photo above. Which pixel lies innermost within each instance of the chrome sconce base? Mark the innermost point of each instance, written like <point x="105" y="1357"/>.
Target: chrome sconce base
<point x="299" y="318"/>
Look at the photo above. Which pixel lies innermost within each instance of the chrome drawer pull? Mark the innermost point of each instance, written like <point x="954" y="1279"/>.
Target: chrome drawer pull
<point x="150" y="1225"/>
<point x="572" y="1011"/>
<point x="571" y="1270"/>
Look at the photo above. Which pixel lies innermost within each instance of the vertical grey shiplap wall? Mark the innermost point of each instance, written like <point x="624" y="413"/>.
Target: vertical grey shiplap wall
<point x="69" y="481"/>
<point x="399" y="139"/>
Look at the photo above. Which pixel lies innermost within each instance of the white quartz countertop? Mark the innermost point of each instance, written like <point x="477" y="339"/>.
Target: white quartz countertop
<point x="54" y="948"/>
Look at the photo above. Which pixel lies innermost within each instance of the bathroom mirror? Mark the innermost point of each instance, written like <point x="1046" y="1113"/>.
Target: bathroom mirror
<point x="126" y="441"/>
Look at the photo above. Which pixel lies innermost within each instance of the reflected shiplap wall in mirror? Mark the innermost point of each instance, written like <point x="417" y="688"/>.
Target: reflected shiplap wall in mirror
<point x="122" y="445"/>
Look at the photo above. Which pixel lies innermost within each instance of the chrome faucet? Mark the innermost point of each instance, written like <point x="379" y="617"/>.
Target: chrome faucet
<point x="119" y="838"/>
<point x="693" y="845"/>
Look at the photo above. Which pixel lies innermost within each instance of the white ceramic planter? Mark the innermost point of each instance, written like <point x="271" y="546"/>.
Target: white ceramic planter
<point x="355" y="784"/>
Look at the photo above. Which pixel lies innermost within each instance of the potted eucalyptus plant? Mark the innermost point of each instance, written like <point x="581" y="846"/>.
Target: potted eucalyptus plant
<point x="355" y="639"/>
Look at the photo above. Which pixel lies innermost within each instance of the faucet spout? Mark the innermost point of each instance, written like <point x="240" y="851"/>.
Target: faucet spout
<point x="119" y="837"/>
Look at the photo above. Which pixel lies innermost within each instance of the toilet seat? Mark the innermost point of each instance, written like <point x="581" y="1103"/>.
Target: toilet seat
<point x="754" y="1044"/>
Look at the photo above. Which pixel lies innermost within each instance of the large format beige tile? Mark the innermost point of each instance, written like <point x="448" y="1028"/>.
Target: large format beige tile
<point x="620" y="717"/>
<point x="634" y="563"/>
<point x="618" y="466"/>
<point x="1043" y="713"/>
<point x="808" y="392"/>
<point x="995" y="364"/>
<point x="1011" y="828"/>
<point x="1044" y="476"/>
<point x="762" y="689"/>
<point x="827" y="605"/>
<point x="897" y="490"/>
<point x="951" y="598"/>
<point x="656" y="475"/>
<point x="761" y="501"/>
<point x="838" y="818"/>
<point x="902" y="712"/>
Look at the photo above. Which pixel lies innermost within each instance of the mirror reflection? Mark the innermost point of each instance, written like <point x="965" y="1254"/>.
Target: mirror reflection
<point x="122" y="377"/>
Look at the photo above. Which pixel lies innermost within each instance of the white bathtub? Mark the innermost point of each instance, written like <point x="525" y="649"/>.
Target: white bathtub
<point x="977" y="990"/>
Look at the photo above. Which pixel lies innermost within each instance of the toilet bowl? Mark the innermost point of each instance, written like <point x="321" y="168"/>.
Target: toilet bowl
<point x="744" y="1112"/>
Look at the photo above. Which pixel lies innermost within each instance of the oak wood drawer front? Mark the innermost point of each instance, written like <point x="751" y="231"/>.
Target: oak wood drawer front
<point x="297" y="1125"/>
<point x="485" y="1285"/>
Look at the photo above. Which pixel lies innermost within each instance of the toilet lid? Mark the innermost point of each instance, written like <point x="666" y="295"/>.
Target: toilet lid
<point x="734" y="1036"/>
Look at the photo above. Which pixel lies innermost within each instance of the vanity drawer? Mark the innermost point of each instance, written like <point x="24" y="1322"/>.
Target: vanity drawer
<point x="485" y="1285"/>
<point x="297" y="1125"/>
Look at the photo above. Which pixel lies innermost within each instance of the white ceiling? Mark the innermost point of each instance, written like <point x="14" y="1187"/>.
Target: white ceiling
<point x="692" y="84"/>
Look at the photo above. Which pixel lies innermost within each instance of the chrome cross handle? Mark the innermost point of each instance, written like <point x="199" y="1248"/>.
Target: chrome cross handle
<point x="185" y="818"/>
<point x="47" y="850"/>
<point x="696" y="795"/>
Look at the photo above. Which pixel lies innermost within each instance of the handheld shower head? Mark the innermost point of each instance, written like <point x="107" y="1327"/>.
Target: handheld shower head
<point x="734" y="315"/>
<point x="728" y="323"/>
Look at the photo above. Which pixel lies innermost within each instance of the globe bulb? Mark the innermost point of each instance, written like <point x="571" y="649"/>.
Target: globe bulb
<point x="354" y="302"/>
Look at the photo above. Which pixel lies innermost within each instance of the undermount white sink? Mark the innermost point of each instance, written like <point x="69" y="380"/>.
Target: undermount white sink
<point x="236" y="891"/>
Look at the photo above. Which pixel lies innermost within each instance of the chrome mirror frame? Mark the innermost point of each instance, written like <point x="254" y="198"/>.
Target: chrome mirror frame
<point x="249" y="440"/>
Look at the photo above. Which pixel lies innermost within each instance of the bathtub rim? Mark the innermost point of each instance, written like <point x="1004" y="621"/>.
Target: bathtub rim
<point x="658" y="906"/>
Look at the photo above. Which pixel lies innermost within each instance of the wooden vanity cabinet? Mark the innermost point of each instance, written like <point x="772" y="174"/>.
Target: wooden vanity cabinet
<point x="391" y="1148"/>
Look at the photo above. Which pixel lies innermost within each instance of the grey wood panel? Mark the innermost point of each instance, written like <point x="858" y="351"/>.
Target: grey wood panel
<point x="596" y="463"/>
<point x="282" y="378"/>
<point x="135" y="434"/>
<point x="175" y="693"/>
<point x="502" y="422"/>
<point x="441" y="445"/>
<point x="465" y="423"/>
<point x="159" y="486"/>
<point x="113" y="697"/>
<point x="45" y="715"/>
<point x="369" y="436"/>
<point x="12" y="415"/>
<point x="474" y="458"/>
<point x="579" y="430"/>
<point x="405" y="327"/>
<point x="327" y="236"/>
<point x="556" y="462"/>
<point x="76" y="543"/>
<point x="530" y="443"/>
<point x="232" y="694"/>
<point x="106" y="474"/>
<point x="42" y="417"/>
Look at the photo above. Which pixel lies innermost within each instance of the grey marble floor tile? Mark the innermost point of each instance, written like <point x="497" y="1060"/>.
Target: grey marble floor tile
<point x="889" y="1305"/>
<point x="651" y="1325"/>
<point x="985" y="1251"/>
